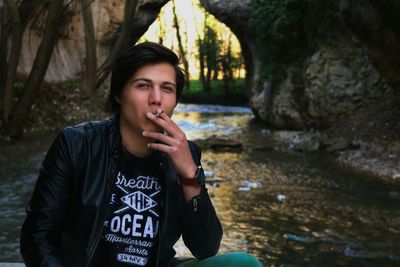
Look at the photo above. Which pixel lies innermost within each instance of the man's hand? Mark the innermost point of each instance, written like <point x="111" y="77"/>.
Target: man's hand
<point x="175" y="144"/>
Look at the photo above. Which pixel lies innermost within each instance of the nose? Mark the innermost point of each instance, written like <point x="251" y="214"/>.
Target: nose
<point x="155" y="96"/>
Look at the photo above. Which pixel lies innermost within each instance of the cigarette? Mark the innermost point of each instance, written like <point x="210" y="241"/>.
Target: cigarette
<point x="158" y="114"/>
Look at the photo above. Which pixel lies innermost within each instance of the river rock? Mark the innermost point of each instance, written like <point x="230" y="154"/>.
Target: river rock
<point x="338" y="81"/>
<point x="225" y="144"/>
<point x="299" y="140"/>
<point x="336" y="144"/>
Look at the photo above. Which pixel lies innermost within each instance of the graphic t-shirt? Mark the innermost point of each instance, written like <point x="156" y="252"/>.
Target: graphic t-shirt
<point x="130" y="232"/>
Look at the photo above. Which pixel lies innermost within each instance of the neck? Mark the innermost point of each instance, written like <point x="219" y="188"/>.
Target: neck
<point x="134" y="141"/>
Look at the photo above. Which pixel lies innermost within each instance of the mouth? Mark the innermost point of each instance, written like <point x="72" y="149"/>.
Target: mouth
<point x="158" y="112"/>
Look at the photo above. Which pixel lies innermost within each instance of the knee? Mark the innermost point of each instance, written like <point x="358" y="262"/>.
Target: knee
<point x="242" y="259"/>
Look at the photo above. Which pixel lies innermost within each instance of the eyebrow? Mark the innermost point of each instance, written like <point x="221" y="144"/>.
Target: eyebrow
<point x="150" y="81"/>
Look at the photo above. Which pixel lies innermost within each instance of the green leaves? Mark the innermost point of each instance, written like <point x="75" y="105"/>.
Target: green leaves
<point x="289" y="29"/>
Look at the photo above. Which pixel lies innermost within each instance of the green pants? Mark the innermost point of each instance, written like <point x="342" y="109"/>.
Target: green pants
<point x="231" y="259"/>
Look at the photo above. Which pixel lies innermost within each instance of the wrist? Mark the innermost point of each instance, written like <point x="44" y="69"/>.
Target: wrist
<point x="190" y="174"/>
<point x="196" y="180"/>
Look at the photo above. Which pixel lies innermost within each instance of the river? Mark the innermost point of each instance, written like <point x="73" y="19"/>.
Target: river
<point x="286" y="208"/>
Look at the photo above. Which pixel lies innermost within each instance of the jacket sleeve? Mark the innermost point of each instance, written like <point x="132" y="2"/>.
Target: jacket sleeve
<point x="202" y="231"/>
<point x="48" y="207"/>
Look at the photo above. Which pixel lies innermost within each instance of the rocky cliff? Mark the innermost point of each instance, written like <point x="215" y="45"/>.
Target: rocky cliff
<point x="331" y="82"/>
<point x="69" y="54"/>
<point x="377" y="25"/>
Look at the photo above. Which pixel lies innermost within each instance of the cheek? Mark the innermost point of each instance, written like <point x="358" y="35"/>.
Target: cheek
<point x="169" y="110"/>
<point x="131" y="101"/>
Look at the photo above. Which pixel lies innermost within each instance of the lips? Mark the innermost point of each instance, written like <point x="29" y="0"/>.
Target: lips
<point x="157" y="112"/>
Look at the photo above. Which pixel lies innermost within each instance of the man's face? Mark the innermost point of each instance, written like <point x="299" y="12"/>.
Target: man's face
<point x="152" y="88"/>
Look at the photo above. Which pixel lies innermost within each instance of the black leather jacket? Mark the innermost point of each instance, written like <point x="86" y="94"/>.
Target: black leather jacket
<point x="66" y="212"/>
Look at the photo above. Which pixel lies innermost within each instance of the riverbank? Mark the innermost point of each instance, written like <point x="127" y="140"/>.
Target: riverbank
<point x="377" y="158"/>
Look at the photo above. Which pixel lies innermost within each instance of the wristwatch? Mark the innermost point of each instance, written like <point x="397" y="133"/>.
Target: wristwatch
<point x="197" y="180"/>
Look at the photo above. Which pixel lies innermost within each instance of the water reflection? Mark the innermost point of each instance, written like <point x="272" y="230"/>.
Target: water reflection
<point x="18" y="166"/>
<point x="203" y="121"/>
<point x="304" y="211"/>
<point x="325" y="222"/>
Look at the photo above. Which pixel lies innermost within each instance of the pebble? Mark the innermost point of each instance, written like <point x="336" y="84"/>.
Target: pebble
<point x="280" y="197"/>
<point x="208" y="174"/>
<point x="252" y="185"/>
<point x="244" y="188"/>
<point x="265" y="131"/>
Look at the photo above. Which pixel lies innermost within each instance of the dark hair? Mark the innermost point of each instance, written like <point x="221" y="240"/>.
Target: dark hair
<point x="135" y="58"/>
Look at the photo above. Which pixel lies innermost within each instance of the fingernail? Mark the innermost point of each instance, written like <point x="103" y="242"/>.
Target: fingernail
<point x="144" y="133"/>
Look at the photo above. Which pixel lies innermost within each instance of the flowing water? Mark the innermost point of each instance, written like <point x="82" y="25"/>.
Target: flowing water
<point x="286" y="208"/>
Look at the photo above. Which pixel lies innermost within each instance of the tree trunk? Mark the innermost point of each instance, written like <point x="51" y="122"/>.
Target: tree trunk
<point x="122" y="43"/>
<point x="201" y="61"/>
<point x="32" y="86"/>
<point x="12" y="64"/>
<point x="4" y="30"/>
<point x="30" y="9"/>
<point x="227" y="70"/>
<point x="182" y="52"/>
<point x="161" y="33"/>
<point x="90" y="43"/>
<point x="207" y="88"/>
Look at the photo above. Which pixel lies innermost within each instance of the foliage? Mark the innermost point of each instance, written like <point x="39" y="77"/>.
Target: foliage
<point x="292" y="28"/>
<point x="209" y="49"/>
<point x="216" y="59"/>
<point x="197" y="94"/>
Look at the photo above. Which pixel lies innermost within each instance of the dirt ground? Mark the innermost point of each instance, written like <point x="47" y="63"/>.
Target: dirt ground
<point x="374" y="136"/>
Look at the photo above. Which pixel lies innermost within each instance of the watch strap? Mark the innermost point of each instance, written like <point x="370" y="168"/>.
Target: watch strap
<point x="196" y="181"/>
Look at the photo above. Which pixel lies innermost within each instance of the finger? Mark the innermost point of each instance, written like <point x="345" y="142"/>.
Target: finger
<point x="166" y="125"/>
<point x="160" y="137"/>
<point x="162" y="147"/>
<point x="165" y="117"/>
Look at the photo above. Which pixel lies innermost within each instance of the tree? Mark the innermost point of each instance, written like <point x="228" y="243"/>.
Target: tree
<point x="39" y="68"/>
<point x="90" y="42"/>
<point x="226" y="67"/>
<point x="4" y="29"/>
<point x="14" y="21"/>
<point x="182" y="52"/>
<point x="122" y="43"/>
<point x="16" y="30"/>
<point x="208" y="54"/>
<point x="161" y="29"/>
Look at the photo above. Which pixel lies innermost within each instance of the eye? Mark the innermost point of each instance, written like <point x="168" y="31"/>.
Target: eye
<point x="143" y="85"/>
<point x="169" y="89"/>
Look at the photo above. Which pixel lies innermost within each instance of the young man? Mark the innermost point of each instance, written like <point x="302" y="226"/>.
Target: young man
<point x="121" y="192"/>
